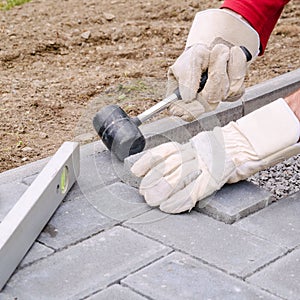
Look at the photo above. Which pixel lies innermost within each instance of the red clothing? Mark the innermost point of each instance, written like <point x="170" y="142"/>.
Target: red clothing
<point x="261" y="14"/>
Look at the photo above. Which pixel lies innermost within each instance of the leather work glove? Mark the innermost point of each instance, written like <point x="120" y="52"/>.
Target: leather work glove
<point x="213" y="45"/>
<point x="176" y="176"/>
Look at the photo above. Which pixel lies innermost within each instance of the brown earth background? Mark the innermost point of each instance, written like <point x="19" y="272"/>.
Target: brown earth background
<point x="58" y="57"/>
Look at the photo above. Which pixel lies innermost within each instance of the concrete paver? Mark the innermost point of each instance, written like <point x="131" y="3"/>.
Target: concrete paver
<point x="9" y="195"/>
<point x="85" y="268"/>
<point x="131" y="179"/>
<point x="235" y="201"/>
<point x="36" y="252"/>
<point x="118" y="201"/>
<point x="116" y="292"/>
<point x="73" y="221"/>
<point x="160" y="126"/>
<point x="179" y="276"/>
<point x="282" y="277"/>
<point x="227" y="247"/>
<point x="24" y="171"/>
<point x="279" y="222"/>
<point x="96" y="171"/>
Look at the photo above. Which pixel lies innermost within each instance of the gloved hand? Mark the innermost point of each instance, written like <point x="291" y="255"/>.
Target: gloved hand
<point x="176" y="176"/>
<point x="213" y="44"/>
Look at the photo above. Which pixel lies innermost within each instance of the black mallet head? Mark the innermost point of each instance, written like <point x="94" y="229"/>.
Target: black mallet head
<point x="118" y="131"/>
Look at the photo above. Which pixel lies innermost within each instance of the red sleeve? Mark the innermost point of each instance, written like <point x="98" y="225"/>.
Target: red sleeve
<point x="261" y="14"/>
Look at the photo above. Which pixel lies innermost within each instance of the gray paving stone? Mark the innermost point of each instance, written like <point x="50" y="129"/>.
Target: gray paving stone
<point x="279" y="222"/>
<point x="118" y="201"/>
<point x="5" y="297"/>
<point x="17" y="174"/>
<point x="36" y="252"/>
<point x="122" y="169"/>
<point x="131" y="179"/>
<point x="117" y="292"/>
<point x="161" y="125"/>
<point x="164" y="130"/>
<point x="73" y="221"/>
<point x="179" y="276"/>
<point x="281" y="277"/>
<point x="235" y="201"/>
<point x="92" y="148"/>
<point x="98" y="170"/>
<point x="9" y="195"/>
<point x="219" y="244"/>
<point x="74" y="192"/>
<point x="85" y="268"/>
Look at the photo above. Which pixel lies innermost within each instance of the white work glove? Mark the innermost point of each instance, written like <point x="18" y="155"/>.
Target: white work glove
<point x="213" y="45"/>
<point x="176" y="176"/>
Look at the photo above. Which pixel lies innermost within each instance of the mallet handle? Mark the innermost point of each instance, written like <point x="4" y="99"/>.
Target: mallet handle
<point x="147" y="114"/>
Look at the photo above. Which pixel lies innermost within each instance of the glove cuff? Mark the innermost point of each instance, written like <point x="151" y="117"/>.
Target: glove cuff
<point x="261" y="139"/>
<point x="213" y="24"/>
<point x="271" y="128"/>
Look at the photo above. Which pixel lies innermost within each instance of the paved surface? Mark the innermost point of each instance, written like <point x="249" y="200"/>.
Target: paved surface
<point x="104" y="242"/>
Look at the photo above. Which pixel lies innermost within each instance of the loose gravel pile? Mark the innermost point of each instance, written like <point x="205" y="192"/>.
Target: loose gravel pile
<point x="281" y="180"/>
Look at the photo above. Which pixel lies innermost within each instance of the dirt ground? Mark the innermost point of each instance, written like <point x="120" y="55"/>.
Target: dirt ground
<point x="58" y="56"/>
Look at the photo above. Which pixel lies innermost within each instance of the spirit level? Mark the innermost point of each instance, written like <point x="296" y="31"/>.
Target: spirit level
<point x="27" y="218"/>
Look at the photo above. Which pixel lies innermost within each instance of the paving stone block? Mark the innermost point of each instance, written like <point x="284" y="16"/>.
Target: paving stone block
<point x="85" y="268"/>
<point x="279" y="222"/>
<point x="281" y="277"/>
<point x="36" y="252"/>
<point x="235" y="201"/>
<point x="98" y="170"/>
<point x="92" y="148"/>
<point x="179" y="276"/>
<point x="74" y="192"/>
<point x="17" y="174"/>
<point x="5" y="297"/>
<point x="73" y="221"/>
<point x="219" y="244"/>
<point x="118" y="201"/>
<point x="161" y="125"/>
<point x="117" y="292"/>
<point x="123" y="172"/>
<point x="9" y="195"/>
<point x="130" y="178"/>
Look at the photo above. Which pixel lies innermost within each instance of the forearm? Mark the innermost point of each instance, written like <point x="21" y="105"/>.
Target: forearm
<point x="293" y="101"/>
<point x="261" y="14"/>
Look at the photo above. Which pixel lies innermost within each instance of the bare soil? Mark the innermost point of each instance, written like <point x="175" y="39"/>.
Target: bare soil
<point x="57" y="57"/>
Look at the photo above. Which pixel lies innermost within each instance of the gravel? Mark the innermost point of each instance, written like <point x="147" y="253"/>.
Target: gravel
<point x="281" y="180"/>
